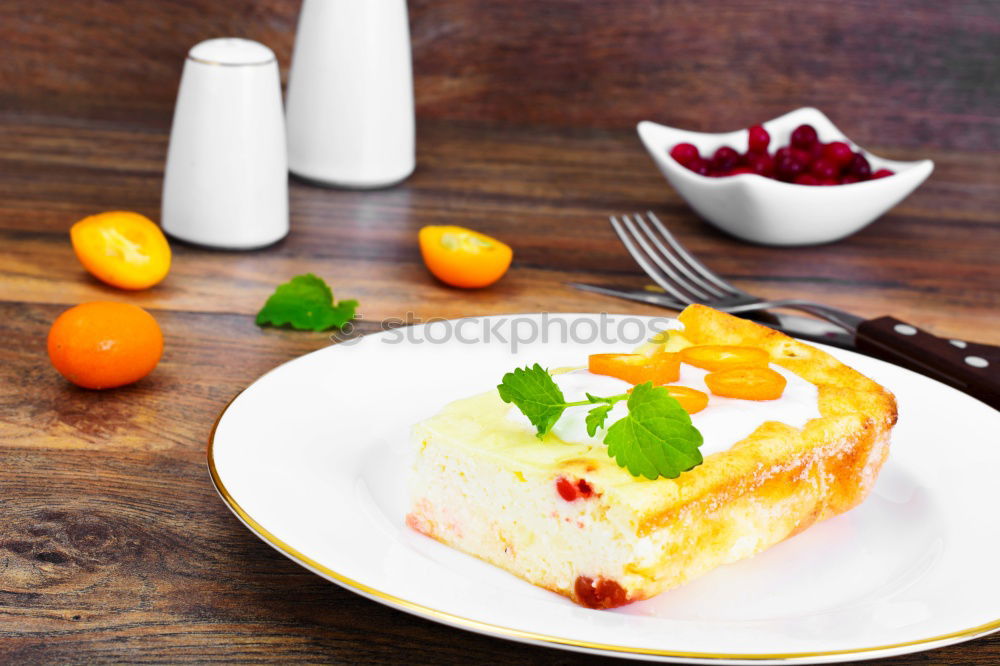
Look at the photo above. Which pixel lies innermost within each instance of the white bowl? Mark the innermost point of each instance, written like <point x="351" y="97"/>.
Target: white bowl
<point x="771" y="212"/>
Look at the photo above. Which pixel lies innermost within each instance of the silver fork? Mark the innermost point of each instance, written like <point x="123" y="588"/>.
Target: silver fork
<point x="969" y="366"/>
<point x="687" y="280"/>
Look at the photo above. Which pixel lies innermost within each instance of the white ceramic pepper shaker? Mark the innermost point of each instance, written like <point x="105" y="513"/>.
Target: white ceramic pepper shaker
<point x="226" y="179"/>
<point x="349" y="104"/>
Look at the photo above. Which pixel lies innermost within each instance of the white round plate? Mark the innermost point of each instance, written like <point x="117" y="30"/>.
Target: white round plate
<point x="313" y="458"/>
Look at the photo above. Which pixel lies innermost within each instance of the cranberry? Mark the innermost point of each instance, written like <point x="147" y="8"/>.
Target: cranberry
<point x="743" y="169"/>
<point x="759" y="139"/>
<point x="566" y="489"/>
<point x="859" y="167"/>
<point x="806" y="179"/>
<point x="785" y="151"/>
<point x="787" y="168"/>
<point x="585" y="488"/>
<point x="804" y="156"/>
<point x="600" y="593"/>
<point x="762" y="164"/>
<point x="838" y="152"/>
<point x="699" y="166"/>
<point x="883" y="173"/>
<point x="825" y="169"/>
<point x="725" y="159"/>
<point x="829" y="181"/>
<point x="684" y="153"/>
<point x="849" y="178"/>
<point x="804" y="137"/>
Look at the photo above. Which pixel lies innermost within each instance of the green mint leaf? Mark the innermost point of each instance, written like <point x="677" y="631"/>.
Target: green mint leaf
<point x="305" y="303"/>
<point x="656" y="438"/>
<point x="596" y="418"/>
<point x="596" y="398"/>
<point x="533" y="392"/>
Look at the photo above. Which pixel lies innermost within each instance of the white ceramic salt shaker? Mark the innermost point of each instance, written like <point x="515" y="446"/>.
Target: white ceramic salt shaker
<point x="349" y="105"/>
<point x="226" y="179"/>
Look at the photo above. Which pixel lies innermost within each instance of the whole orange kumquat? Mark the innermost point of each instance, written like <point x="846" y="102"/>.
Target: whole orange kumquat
<point x="102" y="345"/>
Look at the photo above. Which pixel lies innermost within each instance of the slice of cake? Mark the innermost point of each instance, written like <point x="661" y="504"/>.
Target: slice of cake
<point x="561" y="513"/>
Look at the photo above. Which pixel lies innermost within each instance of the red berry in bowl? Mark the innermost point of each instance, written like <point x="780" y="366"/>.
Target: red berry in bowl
<point x="759" y="139"/>
<point x="684" y="153"/>
<point x="838" y="152"/>
<point x="825" y="169"/>
<point x="725" y="159"/>
<point x="806" y="179"/>
<point x="883" y="173"/>
<point x="859" y="167"/>
<point x="699" y="166"/>
<point x="787" y="168"/>
<point x="741" y="169"/>
<point x="762" y="164"/>
<point x="849" y="178"/>
<point x="804" y="137"/>
<point x="804" y="156"/>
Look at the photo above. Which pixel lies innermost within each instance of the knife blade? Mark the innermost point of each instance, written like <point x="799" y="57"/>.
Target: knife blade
<point x="807" y="328"/>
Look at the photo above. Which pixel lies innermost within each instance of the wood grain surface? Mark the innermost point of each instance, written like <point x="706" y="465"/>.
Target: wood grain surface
<point x="913" y="73"/>
<point x="114" y="546"/>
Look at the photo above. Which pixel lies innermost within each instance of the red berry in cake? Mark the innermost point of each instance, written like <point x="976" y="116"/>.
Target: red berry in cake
<point x="859" y="167"/>
<point x="883" y="173"/>
<point x="806" y="179"/>
<point x="684" y="153"/>
<point x="725" y="159"/>
<point x="825" y="169"/>
<point x="584" y="488"/>
<point x="838" y="152"/>
<point x="759" y="139"/>
<point x="804" y="137"/>
<point x="699" y="166"/>
<point x="566" y="489"/>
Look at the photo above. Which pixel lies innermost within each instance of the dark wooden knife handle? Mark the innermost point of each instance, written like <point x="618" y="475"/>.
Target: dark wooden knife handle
<point x="968" y="366"/>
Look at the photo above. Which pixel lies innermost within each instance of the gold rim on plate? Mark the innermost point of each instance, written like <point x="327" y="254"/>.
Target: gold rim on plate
<point x="530" y="636"/>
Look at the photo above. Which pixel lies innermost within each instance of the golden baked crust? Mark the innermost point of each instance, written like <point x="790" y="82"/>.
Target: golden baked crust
<point x="822" y="470"/>
<point x="771" y="485"/>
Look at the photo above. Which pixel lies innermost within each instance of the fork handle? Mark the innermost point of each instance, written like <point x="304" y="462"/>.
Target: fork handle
<point x="968" y="366"/>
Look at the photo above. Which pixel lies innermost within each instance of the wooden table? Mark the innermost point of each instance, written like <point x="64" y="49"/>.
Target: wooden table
<point x="114" y="544"/>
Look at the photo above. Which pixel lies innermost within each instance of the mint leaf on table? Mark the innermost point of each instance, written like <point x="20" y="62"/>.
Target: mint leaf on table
<point x="535" y="394"/>
<point x="656" y="438"/>
<point x="305" y="303"/>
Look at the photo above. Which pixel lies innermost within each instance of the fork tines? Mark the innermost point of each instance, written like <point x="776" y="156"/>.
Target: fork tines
<point x="667" y="262"/>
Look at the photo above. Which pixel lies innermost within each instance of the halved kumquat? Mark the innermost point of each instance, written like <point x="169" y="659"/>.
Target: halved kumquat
<point x="126" y="250"/>
<point x="660" y="368"/>
<point x="719" y="357"/>
<point x="746" y="383"/>
<point x="462" y="257"/>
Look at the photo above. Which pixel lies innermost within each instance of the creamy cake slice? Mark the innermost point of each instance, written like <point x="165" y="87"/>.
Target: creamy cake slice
<point x="561" y="514"/>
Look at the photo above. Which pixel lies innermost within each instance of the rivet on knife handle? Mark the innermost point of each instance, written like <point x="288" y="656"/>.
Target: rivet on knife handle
<point x="968" y="366"/>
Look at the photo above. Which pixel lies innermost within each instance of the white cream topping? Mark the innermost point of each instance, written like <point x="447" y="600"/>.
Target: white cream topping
<point x="723" y="423"/>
